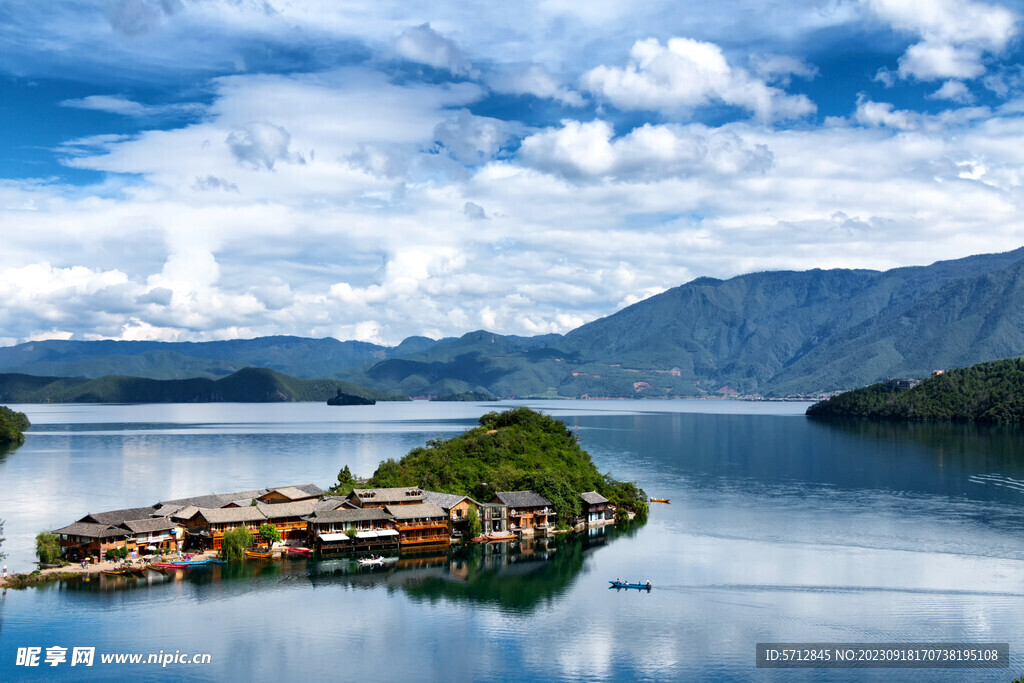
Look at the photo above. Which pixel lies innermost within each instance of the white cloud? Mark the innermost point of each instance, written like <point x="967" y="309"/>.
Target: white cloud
<point x="261" y="145"/>
<point x="685" y="74"/>
<point x="534" y="79"/>
<point x="955" y="91"/>
<point x="870" y="113"/>
<point x="581" y="150"/>
<point x="424" y="45"/>
<point x="955" y="35"/>
<point x="115" y="104"/>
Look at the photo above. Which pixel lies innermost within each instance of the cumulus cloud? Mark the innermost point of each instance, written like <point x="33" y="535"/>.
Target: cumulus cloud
<point x="424" y="45"/>
<point x="135" y="18"/>
<point x="210" y="183"/>
<point x="472" y="139"/>
<point x="781" y="68"/>
<point x="685" y="74"/>
<point x="534" y="79"/>
<point x="871" y="113"/>
<point x="955" y="91"/>
<point x="261" y="145"/>
<point x="955" y="35"/>
<point x="474" y="211"/>
<point x="587" y="150"/>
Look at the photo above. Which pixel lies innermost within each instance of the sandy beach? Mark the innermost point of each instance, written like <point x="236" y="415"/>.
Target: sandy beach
<point x="75" y="568"/>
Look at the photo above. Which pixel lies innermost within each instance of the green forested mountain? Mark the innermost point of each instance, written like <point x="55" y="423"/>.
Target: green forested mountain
<point x="249" y="385"/>
<point x="515" y="450"/>
<point x="987" y="392"/>
<point x="772" y="333"/>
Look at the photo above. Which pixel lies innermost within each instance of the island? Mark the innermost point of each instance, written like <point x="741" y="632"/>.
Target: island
<point x="343" y="399"/>
<point x="990" y="392"/>
<point x="12" y="426"/>
<point x="513" y="451"/>
<point x="468" y="396"/>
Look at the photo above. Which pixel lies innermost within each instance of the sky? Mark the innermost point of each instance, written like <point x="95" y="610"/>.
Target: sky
<point x="194" y="170"/>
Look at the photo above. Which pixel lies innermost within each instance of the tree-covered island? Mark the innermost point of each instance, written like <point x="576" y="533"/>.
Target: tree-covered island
<point x="515" y="450"/>
<point x="12" y="426"/>
<point x="988" y="392"/>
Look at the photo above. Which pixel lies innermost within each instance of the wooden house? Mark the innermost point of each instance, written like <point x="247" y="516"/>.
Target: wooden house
<point x="291" y="494"/>
<point x="457" y="507"/>
<point x="494" y="519"/>
<point x="205" y="527"/>
<point x="153" y="534"/>
<point x="378" y="498"/>
<point x="596" y="508"/>
<point x="351" y="529"/>
<point x="289" y="518"/>
<point x="528" y="512"/>
<point x="419" y="525"/>
<point x="89" y="539"/>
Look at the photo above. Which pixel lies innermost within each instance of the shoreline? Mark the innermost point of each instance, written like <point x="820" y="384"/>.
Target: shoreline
<point x="73" y="570"/>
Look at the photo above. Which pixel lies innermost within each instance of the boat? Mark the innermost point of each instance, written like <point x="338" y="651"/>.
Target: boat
<point x="259" y="554"/>
<point x="123" y="571"/>
<point x="625" y="584"/>
<point x="169" y="565"/>
<point x="302" y="552"/>
<point x="371" y="561"/>
<point x="661" y="500"/>
<point x="204" y="563"/>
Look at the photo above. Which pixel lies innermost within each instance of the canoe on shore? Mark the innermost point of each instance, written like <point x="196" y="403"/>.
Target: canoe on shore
<point x="661" y="500"/>
<point x="625" y="584"/>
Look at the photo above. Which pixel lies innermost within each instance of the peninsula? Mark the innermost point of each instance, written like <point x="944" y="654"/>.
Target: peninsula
<point x="12" y="426"/>
<point x="990" y="392"/>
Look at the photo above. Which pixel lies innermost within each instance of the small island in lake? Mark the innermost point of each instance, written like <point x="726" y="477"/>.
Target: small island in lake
<point x="12" y="426"/>
<point x="343" y="399"/>
<point x="990" y="392"/>
<point x="469" y="396"/>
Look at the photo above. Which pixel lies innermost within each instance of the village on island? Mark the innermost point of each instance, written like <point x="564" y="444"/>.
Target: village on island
<point x="309" y="521"/>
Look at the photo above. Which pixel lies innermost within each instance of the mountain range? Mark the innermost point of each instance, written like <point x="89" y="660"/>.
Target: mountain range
<point x="782" y="333"/>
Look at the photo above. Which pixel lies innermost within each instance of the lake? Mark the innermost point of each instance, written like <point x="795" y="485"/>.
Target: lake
<point x="780" y="529"/>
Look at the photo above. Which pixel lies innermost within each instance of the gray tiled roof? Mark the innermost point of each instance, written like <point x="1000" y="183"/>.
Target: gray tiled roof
<point x="593" y="498"/>
<point x="401" y="494"/>
<point x="332" y="503"/>
<point x="522" y="499"/>
<point x="348" y="515"/>
<point x="445" y="500"/>
<point x="298" y="508"/>
<point x="230" y="515"/>
<point x="92" y="530"/>
<point x="216" y="500"/>
<point x="118" y="516"/>
<point x="421" y="511"/>
<point x="292" y="493"/>
<point x="137" y="526"/>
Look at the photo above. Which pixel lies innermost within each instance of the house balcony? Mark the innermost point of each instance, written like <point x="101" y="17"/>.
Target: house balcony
<point x="430" y="524"/>
<point x="426" y="539"/>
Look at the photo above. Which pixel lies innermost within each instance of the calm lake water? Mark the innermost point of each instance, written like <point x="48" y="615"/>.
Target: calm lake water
<point x="780" y="529"/>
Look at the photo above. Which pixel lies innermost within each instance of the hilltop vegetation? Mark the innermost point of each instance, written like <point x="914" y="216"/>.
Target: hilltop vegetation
<point x="514" y="450"/>
<point x="988" y="392"/>
<point x="250" y="385"/>
<point x="12" y="426"/>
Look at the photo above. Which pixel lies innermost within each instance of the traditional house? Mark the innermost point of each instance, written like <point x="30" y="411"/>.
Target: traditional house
<point x="334" y="503"/>
<point x="84" y="539"/>
<point x="494" y="518"/>
<point x="291" y="494"/>
<point x="596" y="508"/>
<point x="457" y="507"/>
<point x="289" y="518"/>
<point x="205" y="527"/>
<point x="153" y="534"/>
<point x="378" y="498"/>
<point x="422" y="524"/>
<point x="115" y="517"/>
<point x="528" y="512"/>
<point x="351" y="529"/>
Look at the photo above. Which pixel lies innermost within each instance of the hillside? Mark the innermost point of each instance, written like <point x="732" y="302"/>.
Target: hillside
<point x="772" y="333"/>
<point x="250" y="385"/>
<point x="515" y="450"/>
<point x="988" y="392"/>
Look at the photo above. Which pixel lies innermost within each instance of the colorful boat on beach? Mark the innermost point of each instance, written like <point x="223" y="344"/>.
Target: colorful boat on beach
<point x="169" y="565"/>
<point x="259" y="554"/>
<point x="300" y="552"/>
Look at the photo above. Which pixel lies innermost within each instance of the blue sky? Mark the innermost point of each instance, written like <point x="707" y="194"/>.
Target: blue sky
<point x="186" y="170"/>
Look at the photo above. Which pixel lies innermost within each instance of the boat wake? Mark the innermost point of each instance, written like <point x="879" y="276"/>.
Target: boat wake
<point x="997" y="480"/>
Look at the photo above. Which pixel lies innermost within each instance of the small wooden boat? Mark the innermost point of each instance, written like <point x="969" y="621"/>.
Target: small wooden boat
<point x="626" y="584"/>
<point x="259" y="554"/>
<point x="301" y="552"/>
<point x="123" y="571"/>
<point x="498" y="538"/>
<point x="169" y="565"/>
<point x="661" y="500"/>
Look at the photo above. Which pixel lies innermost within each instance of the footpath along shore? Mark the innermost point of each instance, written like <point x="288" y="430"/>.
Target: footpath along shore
<point x="75" y="569"/>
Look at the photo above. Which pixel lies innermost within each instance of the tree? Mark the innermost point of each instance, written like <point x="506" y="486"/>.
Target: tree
<point x="346" y="482"/>
<point x="473" y="522"/>
<point x="47" y="547"/>
<point x="234" y="543"/>
<point x="12" y="424"/>
<point x="270" y="534"/>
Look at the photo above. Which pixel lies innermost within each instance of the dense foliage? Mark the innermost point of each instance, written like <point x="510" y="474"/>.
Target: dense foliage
<point x="12" y="425"/>
<point x="269" y="533"/>
<point x="251" y="385"/>
<point x="989" y="392"/>
<point x="515" y="450"/>
<point x="346" y="482"/>
<point x="47" y="547"/>
<point x="234" y="543"/>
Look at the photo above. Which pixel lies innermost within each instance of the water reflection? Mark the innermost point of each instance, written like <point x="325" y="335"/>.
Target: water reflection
<point x="518" y="576"/>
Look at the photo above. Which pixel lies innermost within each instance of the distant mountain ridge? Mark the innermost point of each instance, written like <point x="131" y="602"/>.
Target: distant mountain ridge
<point x="777" y="333"/>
